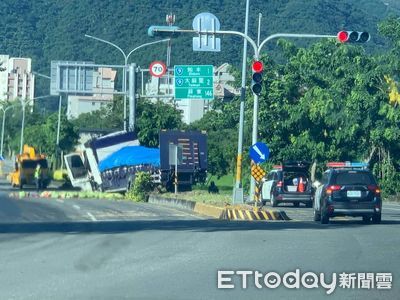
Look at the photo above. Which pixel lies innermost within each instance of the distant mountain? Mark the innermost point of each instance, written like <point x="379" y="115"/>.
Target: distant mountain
<point x="54" y="29"/>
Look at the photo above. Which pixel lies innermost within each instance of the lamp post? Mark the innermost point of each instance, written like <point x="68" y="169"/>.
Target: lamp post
<point x="4" y="110"/>
<point x="23" y="104"/>
<point x="124" y="74"/>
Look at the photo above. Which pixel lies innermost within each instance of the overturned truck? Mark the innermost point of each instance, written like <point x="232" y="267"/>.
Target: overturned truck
<point x="109" y="163"/>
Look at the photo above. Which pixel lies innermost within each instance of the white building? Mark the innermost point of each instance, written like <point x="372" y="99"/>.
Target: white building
<point x="103" y="82"/>
<point x="192" y="109"/>
<point x="16" y="78"/>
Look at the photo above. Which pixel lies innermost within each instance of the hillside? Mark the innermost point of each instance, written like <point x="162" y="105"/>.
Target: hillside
<point x="54" y="29"/>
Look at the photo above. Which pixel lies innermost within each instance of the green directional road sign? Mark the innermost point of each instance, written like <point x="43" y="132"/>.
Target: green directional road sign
<point x="194" y="82"/>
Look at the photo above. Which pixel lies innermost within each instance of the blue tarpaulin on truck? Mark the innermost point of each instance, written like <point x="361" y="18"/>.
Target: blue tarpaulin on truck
<point x="131" y="156"/>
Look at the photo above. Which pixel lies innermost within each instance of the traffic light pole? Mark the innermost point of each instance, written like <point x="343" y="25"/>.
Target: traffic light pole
<point x="257" y="49"/>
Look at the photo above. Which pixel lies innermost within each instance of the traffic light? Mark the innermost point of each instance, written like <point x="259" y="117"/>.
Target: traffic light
<point x="163" y="31"/>
<point x="257" y="68"/>
<point x="353" y="37"/>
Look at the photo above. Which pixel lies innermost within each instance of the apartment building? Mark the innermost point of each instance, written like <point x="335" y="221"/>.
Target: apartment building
<point x="16" y="78"/>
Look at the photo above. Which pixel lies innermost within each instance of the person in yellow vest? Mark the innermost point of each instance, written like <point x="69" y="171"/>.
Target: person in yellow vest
<point x="38" y="177"/>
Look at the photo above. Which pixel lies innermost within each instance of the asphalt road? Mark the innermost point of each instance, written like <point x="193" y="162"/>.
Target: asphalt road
<point x="92" y="249"/>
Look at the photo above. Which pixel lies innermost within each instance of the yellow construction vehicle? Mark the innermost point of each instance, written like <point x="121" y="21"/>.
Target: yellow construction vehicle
<point x="25" y="165"/>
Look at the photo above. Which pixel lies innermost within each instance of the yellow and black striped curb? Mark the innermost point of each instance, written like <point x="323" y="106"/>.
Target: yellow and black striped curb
<point x="225" y="213"/>
<point x="255" y="215"/>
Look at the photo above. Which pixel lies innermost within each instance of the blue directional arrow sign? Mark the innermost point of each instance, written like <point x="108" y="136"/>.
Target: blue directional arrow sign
<point x="259" y="152"/>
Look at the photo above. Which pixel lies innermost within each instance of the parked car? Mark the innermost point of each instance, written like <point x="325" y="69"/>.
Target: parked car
<point x="348" y="189"/>
<point x="288" y="183"/>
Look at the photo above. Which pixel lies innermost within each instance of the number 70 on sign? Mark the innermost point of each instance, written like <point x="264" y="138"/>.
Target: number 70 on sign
<point x="157" y="68"/>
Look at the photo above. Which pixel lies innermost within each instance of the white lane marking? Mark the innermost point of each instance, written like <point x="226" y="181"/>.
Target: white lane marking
<point x="91" y="216"/>
<point x="60" y="200"/>
<point x="76" y="207"/>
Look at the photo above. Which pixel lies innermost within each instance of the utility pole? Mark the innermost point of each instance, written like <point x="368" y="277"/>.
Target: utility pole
<point x="238" y="190"/>
<point x="132" y="96"/>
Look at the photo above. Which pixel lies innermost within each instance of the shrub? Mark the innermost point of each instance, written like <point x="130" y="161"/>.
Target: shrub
<point x="141" y="188"/>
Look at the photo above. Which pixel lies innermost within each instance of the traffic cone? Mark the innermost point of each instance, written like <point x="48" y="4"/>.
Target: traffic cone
<point x="300" y="187"/>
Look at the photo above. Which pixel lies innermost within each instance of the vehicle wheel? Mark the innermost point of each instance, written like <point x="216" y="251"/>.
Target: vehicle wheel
<point x="296" y="204"/>
<point x="376" y="219"/>
<point x="274" y="203"/>
<point x="324" y="218"/>
<point x="366" y="219"/>
<point x="317" y="216"/>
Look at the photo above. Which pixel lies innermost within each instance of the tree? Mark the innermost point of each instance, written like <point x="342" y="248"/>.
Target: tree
<point x="109" y="116"/>
<point x="153" y="117"/>
<point x="44" y="136"/>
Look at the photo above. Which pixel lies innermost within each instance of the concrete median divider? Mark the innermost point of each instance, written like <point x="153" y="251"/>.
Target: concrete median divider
<point x="255" y="214"/>
<point x="65" y="195"/>
<point x="227" y="212"/>
<point x="197" y="207"/>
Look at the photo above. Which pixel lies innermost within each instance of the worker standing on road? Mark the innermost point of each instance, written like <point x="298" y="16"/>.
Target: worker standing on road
<point x="38" y="177"/>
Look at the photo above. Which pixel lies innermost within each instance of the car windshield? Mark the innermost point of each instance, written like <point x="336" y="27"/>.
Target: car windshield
<point x="354" y="177"/>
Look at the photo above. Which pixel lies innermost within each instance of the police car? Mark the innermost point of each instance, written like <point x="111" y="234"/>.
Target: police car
<point x="348" y="189"/>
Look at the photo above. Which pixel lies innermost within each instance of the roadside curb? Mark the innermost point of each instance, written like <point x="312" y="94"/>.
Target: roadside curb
<point x="197" y="207"/>
<point x="224" y="213"/>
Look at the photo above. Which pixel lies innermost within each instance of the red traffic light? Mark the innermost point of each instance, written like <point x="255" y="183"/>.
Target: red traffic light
<point x="343" y="36"/>
<point x="257" y="66"/>
<point x="353" y="36"/>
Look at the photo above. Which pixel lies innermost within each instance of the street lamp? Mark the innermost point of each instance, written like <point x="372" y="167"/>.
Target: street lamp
<point x="4" y="110"/>
<point x="23" y="104"/>
<point x="124" y="74"/>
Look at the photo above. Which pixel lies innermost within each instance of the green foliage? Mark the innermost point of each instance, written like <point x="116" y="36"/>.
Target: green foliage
<point x="328" y="102"/>
<point x="141" y="188"/>
<point x="40" y="131"/>
<point x="43" y="136"/>
<point x="109" y="116"/>
<point x="153" y="117"/>
<point x="150" y="119"/>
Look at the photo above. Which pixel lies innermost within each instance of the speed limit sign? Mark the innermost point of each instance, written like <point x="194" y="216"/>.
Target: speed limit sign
<point x="157" y="68"/>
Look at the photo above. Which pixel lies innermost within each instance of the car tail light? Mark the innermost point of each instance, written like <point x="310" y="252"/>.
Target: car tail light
<point x="332" y="188"/>
<point x="375" y="189"/>
<point x="279" y="184"/>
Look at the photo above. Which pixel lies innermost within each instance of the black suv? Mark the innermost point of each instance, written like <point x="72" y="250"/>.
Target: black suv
<point x="289" y="183"/>
<point x="348" y="189"/>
